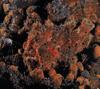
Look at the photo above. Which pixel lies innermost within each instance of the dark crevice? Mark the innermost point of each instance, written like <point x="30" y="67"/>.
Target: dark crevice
<point x="2" y="15"/>
<point x="41" y="5"/>
<point x="5" y="83"/>
<point x="61" y="69"/>
<point x="42" y="13"/>
<point x="60" y="22"/>
<point x="77" y="25"/>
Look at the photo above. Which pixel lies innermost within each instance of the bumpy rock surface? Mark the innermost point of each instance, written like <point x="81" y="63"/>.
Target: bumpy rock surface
<point x="53" y="44"/>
